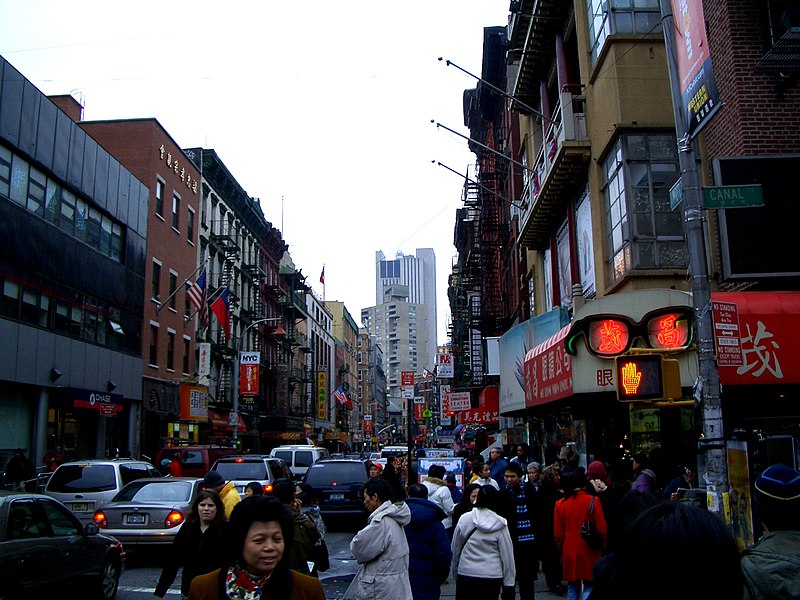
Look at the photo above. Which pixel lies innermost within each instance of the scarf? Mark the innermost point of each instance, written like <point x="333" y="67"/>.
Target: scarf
<point x="240" y="585"/>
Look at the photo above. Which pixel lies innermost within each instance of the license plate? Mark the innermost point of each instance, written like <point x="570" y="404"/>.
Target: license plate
<point x="337" y="496"/>
<point x="80" y="507"/>
<point x="135" y="519"/>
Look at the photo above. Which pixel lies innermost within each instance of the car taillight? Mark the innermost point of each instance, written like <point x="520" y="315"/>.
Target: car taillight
<point x="268" y="488"/>
<point x="100" y="519"/>
<point x="173" y="519"/>
<point x="333" y="484"/>
<point x="239" y="460"/>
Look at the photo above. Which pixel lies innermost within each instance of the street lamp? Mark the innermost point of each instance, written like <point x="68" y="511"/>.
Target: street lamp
<point x="235" y="400"/>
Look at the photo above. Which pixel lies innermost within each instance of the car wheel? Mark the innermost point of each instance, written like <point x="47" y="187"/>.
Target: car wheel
<point x="109" y="580"/>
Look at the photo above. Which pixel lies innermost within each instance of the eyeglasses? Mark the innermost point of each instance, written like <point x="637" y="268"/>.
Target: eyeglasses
<point x="605" y="336"/>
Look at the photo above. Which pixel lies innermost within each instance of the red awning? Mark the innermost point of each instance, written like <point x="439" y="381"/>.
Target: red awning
<point x="548" y="371"/>
<point x="220" y="421"/>
<point x="768" y="323"/>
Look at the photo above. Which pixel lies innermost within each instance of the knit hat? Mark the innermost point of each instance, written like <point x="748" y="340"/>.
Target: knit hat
<point x="779" y="483"/>
<point x="597" y="470"/>
<point x="213" y="479"/>
<point x="451" y="478"/>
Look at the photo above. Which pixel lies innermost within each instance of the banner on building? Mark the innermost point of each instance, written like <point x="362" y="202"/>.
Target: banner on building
<point x="458" y="401"/>
<point x="699" y="93"/>
<point x="322" y="396"/>
<point x="249" y="363"/>
<point x="444" y="366"/>
<point x="203" y="361"/>
<point x="407" y="384"/>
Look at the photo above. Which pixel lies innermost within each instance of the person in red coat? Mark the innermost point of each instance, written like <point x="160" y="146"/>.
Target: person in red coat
<point x="577" y="557"/>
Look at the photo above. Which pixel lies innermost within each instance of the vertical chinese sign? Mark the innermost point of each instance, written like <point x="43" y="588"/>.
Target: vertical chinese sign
<point x="249" y="363"/>
<point x="322" y="396"/>
<point x="407" y="384"/>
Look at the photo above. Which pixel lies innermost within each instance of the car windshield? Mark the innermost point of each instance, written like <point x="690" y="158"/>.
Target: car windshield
<point x="251" y="470"/>
<point x="82" y="478"/>
<point x="322" y="473"/>
<point x="152" y="491"/>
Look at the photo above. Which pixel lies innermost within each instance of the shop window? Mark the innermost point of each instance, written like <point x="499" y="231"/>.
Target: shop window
<point x="11" y="299"/>
<point x="153" y="355"/>
<point x="642" y="231"/>
<point x="5" y="171"/>
<point x="170" y="350"/>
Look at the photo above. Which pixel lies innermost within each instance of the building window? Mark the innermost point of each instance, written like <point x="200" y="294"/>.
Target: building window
<point x="190" y="226"/>
<point x="176" y="206"/>
<point x="621" y="16"/>
<point x="37" y="183"/>
<point x="160" y="198"/>
<point x="186" y="354"/>
<point x="642" y="231"/>
<point x="170" y="350"/>
<point x="5" y="171"/>
<point x="153" y="358"/>
<point x="155" y="284"/>
<point x="173" y="285"/>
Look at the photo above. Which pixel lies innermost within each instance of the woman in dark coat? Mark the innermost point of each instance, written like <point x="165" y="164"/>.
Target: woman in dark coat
<point x="549" y="493"/>
<point x="466" y="503"/>
<point x="428" y="545"/>
<point x="200" y="545"/>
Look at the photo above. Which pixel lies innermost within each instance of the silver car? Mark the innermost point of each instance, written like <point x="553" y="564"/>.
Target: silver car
<point x="149" y="511"/>
<point x="85" y="486"/>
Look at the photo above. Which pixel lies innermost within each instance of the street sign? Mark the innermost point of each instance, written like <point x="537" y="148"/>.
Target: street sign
<point x="733" y="196"/>
<point x="726" y="334"/>
<point x="676" y="194"/>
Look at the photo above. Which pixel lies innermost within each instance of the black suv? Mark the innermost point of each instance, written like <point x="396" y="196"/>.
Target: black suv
<point x="241" y="470"/>
<point x="337" y="484"/>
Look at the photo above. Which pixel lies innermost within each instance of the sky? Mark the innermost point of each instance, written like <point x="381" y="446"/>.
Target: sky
<point x="321" y="109"/>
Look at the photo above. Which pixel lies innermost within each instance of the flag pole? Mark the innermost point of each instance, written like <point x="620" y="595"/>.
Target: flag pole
<point x="178" y="289"/>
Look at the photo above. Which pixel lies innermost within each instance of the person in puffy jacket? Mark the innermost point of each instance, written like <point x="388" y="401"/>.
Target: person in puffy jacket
<point x="381" y="548"/>
<point x="439" y="493"/>
<point x="483" y="557"/>
<point x="428" y="545"/>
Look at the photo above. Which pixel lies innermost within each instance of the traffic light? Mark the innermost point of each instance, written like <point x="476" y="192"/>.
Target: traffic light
<point x="643" y="377"/>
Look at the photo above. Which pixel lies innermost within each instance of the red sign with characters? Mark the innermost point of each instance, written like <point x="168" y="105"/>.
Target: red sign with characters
<point x="768" y="325"/>
<point x="548" y="371"/>
<point x="488" y="413"/>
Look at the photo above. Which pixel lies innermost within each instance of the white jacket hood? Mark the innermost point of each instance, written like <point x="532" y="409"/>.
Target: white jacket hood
<point x="486" y="520"/>
<point x="398" y="511"/>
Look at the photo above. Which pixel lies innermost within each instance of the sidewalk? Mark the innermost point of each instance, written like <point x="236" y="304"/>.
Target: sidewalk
<point x="542" y="593"/>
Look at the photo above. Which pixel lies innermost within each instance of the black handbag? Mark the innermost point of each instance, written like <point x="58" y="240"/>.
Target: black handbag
<point x="318" y="554"/>
<point x="589" y="530"/>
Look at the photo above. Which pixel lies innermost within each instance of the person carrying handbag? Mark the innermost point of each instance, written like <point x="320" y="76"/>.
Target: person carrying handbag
<point x="577" y="556"/>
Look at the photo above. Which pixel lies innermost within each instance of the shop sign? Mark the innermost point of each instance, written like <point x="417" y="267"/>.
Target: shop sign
<point x="444" y="366"/>
<point x="458" y="401"/>
<point x="194" y="402"/>
<point x="548" y="371"/>
<point x="99" y="401"/>
<point x="768" y="322"/>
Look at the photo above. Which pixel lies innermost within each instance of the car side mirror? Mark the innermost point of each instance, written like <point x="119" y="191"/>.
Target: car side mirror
<point x="91" y="529"/>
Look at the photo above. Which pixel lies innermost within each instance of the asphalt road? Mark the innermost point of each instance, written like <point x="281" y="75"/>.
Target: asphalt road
<point x="143" y="569"/>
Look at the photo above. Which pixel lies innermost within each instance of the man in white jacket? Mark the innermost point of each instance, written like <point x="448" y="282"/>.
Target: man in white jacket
<point x="440" y="495"/>
<point x="381" y="548"/>
<point x="483" y="556"/>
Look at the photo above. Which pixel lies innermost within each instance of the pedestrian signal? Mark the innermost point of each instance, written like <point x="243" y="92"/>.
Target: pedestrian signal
<point x="643" y="377"/>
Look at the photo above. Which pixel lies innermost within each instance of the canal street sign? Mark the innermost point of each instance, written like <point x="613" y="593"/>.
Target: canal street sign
<point x="676" y="194"/>
<point x="733" y="196"/>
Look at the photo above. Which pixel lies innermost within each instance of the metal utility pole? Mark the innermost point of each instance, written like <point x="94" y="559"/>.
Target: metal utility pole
<point x="712" y="442"/>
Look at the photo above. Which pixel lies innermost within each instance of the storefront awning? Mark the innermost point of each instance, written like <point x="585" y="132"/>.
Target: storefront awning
<point x="220" y="421"/>
<point x="548" y="371"/>
<point x="767" y="324"/>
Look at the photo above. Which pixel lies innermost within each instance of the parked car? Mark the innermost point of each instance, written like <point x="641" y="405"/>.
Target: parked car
<point x="196" y="461"/>
<point x="299" y="457"/>
<point x="241" y="470"/>
<point x="149" y="511"/>
<point x="87" y="485"/>
<point x="337" y="484"/>
<point x="45" y="548"/>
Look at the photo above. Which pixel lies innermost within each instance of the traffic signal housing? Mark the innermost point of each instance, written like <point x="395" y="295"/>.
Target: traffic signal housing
<point x="647" y="377"/>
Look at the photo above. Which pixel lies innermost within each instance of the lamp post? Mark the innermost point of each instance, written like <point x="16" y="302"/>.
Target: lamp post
<point x="235" y="400"/>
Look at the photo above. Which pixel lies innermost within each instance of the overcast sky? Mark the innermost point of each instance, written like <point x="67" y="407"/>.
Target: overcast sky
<point x="319" y="108"/>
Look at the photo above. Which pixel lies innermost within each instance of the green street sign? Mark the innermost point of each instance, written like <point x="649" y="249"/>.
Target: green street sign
<point x="733" y="196"/>
<point x="676" y="194"/>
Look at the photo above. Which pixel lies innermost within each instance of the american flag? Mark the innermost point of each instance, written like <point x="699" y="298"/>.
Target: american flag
<point x="343" y="398"/>
<point x="197" y="296"/>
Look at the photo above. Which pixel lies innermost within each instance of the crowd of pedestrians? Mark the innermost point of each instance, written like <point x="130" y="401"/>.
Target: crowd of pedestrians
<point x="603" y="535"/>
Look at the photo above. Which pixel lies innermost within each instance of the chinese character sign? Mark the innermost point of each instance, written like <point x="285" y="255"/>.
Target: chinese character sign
<point x="194" y="402"/>
<point x="322" y="396"/>
<point x="248" y="373"/>
<point x="548" y="371"/>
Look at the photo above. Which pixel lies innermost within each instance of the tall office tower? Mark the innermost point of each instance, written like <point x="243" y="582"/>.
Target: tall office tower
<point x="403" y="321"/>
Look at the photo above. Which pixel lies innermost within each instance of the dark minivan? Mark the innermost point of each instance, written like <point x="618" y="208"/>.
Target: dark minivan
<point x="337" y="483"/>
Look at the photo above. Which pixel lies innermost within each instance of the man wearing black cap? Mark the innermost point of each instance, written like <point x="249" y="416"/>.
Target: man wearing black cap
<point x="226" y="490"/>
<point x="771" y="567"/>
